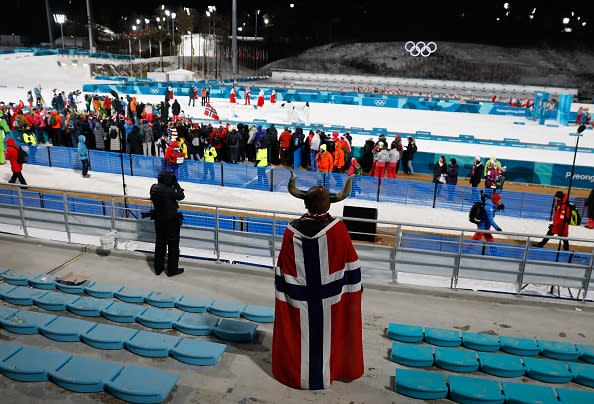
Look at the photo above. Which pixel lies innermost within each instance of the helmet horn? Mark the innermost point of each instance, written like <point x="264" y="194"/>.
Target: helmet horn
<point x="346" y="191"/>
<point x="293" y="190"/>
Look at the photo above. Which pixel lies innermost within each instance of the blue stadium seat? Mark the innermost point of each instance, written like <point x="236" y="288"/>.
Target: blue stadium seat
<point x="195" y="324"/>
<point x="23" y="296"/>
<point x="74" y="289"/>
<point x="26" y="322"/>
<point x="43" y="281"/>
<point x="501" y="365"/>
<point x="464" y="389"/>
<point x="547" y="370"/>
<point x="18" y="278"/>
<point x="7" y="311"/>
<point x="412" y="355"/>
<point x="480" y="342"/>
<point x="260" y="314"/>
<point x="233" y="330"/>
<point x="88" y="306"/>
<point x="443" y="337"/>
<point x="586" y="353"/>
<point x="85" y="375"/>
<point x="151" y="344"/>
<point x="8" y="349"/>
<point x="142" y="385"/>
<point x="564" y="351"/>
<point x="106" y="336"/>
<point x="582" y="374"/>
<point x="54" y="301"/>
<point x="132" y="295"/>
<point x="456" y="360"/>
<point x="518" y="393"/>
<point x="405" y="332"/>
<point x="122" y="312"/>
<point x="102" y="290"/>
<point x="223" y="308"/>
<point x="201" y="353"/>
<point x="193" y="304"/>
<point x="420" y="384"/>
<point x="5" y="288"/>
<point x="519" y="346"/>
<point x="162" y="299"/>
<point x="32" y="364"/>
<point x="158" y="318"/>
<point x="567" y="396"/>
<point x="66" y="329"/>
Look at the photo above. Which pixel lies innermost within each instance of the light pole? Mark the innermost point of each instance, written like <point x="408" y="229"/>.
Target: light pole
<point x="173" y="15"/>
<point x="60" y="19"/>
<point x="168" y="14"/>
<point x="577" y="134"/>
<point x="90" y="23"/>
<point x="48" y="13"/>
<point x="256" y="29"/>
<point x="234" y="65"/>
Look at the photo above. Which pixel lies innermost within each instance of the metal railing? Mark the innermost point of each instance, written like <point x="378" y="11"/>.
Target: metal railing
<point x="443" y="252"/>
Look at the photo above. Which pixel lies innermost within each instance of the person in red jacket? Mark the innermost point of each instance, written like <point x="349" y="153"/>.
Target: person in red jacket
<point x="273" y="97"/>
<point x="260" y="102"/>
<point x="247" y="96"/>
<point x="560" y="225"/>
<point x="12" y="154"/>
<point x="232" y="96"/>
<point x="285" y="144"/>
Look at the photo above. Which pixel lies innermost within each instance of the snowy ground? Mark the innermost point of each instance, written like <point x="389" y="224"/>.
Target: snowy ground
<point x="445" y="123"/>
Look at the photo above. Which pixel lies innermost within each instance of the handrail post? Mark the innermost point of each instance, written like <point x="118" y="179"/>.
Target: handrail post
<point x="457" y="259"/>
<point x="273" y="249"/>
<point x="66" y="221"/>
<point x="49" y="154"/>
<point x="222" y="174"/>
<point x="113" y="209"/>
<point x="434" y="194"/>
<point x="216" y="239"/>
<point x="522" y="267"/>
<point x="271" y="179"/>
<point x="379" y="186"/>
<point x="22" y="211"/>
<point x="397" y="241"/>
<point x="588" y="276"/>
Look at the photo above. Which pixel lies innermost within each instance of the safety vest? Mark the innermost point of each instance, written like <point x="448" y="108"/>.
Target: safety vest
<point x="30" y="139"/>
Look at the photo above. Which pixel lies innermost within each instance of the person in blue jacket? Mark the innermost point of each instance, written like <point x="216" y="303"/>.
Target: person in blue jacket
<point x="83" y="153"/>
<point x="491" y="205"/>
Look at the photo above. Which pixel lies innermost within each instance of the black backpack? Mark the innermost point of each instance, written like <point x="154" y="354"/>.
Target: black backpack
<point x="113" y="132"/>
<point x="22" y="156"/>
<point x="476" y="213"/>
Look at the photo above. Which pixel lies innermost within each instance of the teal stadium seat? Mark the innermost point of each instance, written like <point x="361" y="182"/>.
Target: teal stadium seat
<point x="547" y="370"/>
<point x="132" y="295"/>
<point x="151" y="344"/>
<point x="420" y="384"/>
<point x="142" y="385"/>
<point x="233" y="330"/>
<point x="586" y="353"/>
<point x="519" y="393"/>
<point x="54" y="301"/>
<point x="122" y="312"/>
<point x="519" y="346"/>
<point x="66" y="329"/>
<point x="260" y="314"/>
<point x="26" y="322"/>
<point x="564" y="351"/>
<point x="158" y="318"/>
<point x="195" y="324"/>
<point x="106" y="336"/>
<point x="88" y="306"/>
<point x="405" y="332"/>
<point x="17" y="278"/>
<point x="456" y="360"/>
<point x="102" y="290"/>
<point x="32" y="364"/>
<point x="582" y="374"/>
<point x="502" y="365"/>
<point x="567" y="396"/>
<point x="194" y="304"/>
<point x="412" y="355"/>
<point x="85" y="375"/>
<point x="200" y="353"/>
<point x="43" y="281"/>
<point x="443" y="337"/>
<point x="467" y="390"/>
<point x="74" y="289"/>
<point x="226" y="309"/>
<point x="23" y="296"/>
<point x="162" y="299"/>
<point x="480" y="342"/>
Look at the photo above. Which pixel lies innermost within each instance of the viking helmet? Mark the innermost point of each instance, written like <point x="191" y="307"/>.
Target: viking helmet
<point x="317" y="199"/>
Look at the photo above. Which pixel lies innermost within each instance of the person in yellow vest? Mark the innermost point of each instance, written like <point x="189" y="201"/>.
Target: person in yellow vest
<point x="261" y="163"/>
<point x="210" y="153"/>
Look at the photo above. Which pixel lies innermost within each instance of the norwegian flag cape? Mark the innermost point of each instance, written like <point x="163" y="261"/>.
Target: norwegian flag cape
<point x="318" y="328"/>
<point x="210" y="112"/>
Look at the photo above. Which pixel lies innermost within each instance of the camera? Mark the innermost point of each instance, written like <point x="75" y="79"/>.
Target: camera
<point x="150" y="214"/>
<point x="77" y="92"/>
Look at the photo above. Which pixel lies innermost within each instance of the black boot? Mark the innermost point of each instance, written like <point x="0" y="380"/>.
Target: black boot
<point x="178" y="271"/>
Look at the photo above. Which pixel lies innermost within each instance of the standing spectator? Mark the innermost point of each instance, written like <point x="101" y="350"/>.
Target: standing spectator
<point x="314" y="148"/>
<point x="169" y="95"/>
<point x="476" y="173"/>
<point x="174" y="157"/>
<point x="440" y="171"/>
<point x="490" y="206"/>
<point x="147" y="138"/>
<point x="381" y="158"/>
<point x="393" y="158"/>
<point x="408" y="156"/>
<point x="492" y="172"/>
<point x="134" y="141"/>
<point x="590" y="204"/>
<point x="192" y="95"/>
<point x="273" y="97"/>
<point x="324" y="160"/>
<point x="30" y="99"/>
<point x="100" y="137"/>
<point x="285" y="146"/>
<point x="366" y="159"/>
<point x="207" y="94"/>
<point x="579" y="116"/>
<point x="12" y="153"/>
<point x="233" y="146"/>
<point x="83" y="154"/>
<point x="452" y="179"/>
<point x="397" y="143"/>
<point x="38" y="98"/>
<point x="232" y="96"/>
<point x="560" y="225"/>
<point x="175" y="110"/>
<point x="4" y="128"/>
<point x="210" y="154"/>
<point x="261" y="163"/>
<point x="338" y="157"/>
<point x="306" y="113"/>
<point x="260" y="101"/>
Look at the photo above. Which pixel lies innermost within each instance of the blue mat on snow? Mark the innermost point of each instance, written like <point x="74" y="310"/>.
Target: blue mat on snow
<point x="32" y="364"/>
<point x="420" y="384"/>
<point x="195" y="324"/>
<point x="140" y="385"/>
<point x="194" y="304"/>
<point x="464" y="389"/>
<point x="26" y="322"/>
<point x="85" y="375"/>
<point x="201" y="353"/>
<point x="55" y="301"/>
<point x="106" y="336"/>
<point x="151" y="344"/>
<point x="66" y="329"/>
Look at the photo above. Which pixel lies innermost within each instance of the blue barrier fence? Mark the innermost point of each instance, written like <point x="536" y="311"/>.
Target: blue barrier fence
<point x="406" y="192"/>
<point x="71" y="52"/>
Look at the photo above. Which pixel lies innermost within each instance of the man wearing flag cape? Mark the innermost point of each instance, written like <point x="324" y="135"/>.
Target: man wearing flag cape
<point x="318" y="327"/>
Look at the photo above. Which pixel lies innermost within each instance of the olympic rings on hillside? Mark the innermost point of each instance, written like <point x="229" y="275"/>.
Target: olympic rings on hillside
<point x="420" y="48"/>
<point x="155" y="90"/>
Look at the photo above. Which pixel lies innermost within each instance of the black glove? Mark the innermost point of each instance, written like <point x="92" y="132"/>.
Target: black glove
<point x="500" y="206"/>
<point x="498" y="229"/>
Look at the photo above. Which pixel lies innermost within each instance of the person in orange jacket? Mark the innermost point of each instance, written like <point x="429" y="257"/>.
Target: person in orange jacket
<point x="324" y="160"/>
<point x="339" y="160"/>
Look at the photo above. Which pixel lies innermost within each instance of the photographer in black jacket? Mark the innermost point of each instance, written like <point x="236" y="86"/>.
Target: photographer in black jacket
<point x="168" y="221"/>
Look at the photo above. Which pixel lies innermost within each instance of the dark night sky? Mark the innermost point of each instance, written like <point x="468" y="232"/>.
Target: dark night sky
<point x="311" y="22"/>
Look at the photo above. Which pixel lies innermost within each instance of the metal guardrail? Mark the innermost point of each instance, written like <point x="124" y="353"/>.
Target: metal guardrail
<point x="441" y="251"/>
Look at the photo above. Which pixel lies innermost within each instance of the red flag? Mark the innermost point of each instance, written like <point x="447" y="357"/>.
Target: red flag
<point x="210" y="112"/>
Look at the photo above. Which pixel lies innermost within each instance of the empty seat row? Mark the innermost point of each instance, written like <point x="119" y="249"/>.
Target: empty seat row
<point x="497" y="364"/>
<point x="109" y="337"/>
<point x="188" y="323"/>
<point x="463" y="389"/>
<point x="85" y="375"/>
<point x="100" y="290"/>
<point x="490" y="343"/>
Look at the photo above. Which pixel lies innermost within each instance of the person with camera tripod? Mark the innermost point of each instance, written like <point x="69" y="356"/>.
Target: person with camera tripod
<point x="168" y="221"/>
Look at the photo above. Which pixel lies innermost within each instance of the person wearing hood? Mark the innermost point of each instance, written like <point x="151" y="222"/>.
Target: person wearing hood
<point x="83" y="154"/>
<point x="12" y="154"/>
<point x="134" y="141"/>
<point x="164" y="196"/>
<point x="175" y="110"/>
<point x="173" y="157"/>
<point x="560" y="225"/>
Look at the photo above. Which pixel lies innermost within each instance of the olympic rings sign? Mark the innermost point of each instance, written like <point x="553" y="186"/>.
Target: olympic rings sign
<point x="379" y="103"/>
<point x="420" y="48"/>
<point x="154" y="90"/>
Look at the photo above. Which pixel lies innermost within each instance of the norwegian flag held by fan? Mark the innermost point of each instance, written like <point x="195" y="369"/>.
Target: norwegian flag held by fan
<point x="210" y="112"/>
